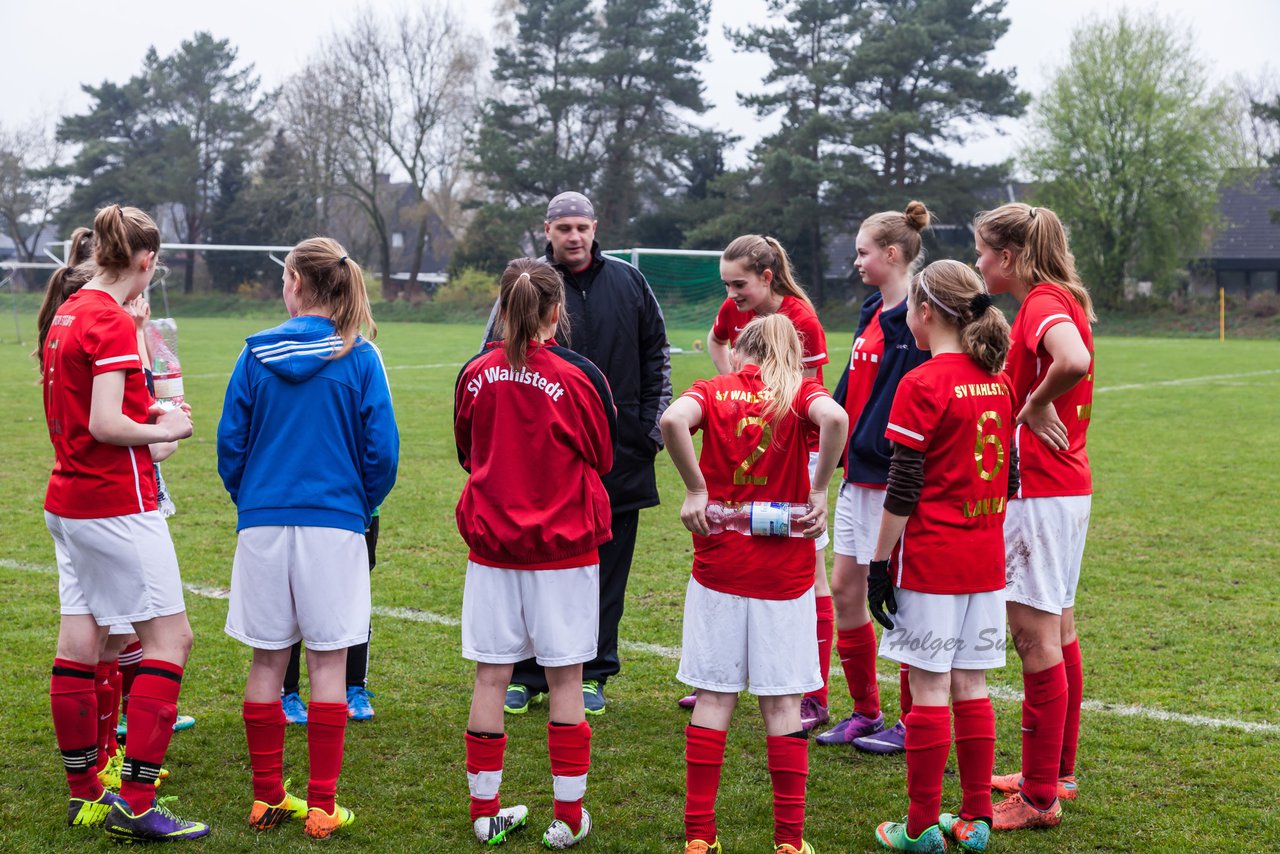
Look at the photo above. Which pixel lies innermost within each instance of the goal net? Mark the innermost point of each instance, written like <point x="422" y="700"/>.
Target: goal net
<point x="686" y="282"/>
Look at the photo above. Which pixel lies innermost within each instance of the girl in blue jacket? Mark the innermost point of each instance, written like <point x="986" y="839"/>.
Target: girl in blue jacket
<point x="888" y="251"/>
<point x="307" y="448"/>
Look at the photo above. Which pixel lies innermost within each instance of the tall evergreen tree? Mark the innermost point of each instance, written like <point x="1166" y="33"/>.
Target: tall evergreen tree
<point x="161" y="139"/>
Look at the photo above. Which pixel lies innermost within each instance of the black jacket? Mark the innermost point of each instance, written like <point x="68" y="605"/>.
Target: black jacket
<point x="616" y="322"/>
<point x="869" y="450"/>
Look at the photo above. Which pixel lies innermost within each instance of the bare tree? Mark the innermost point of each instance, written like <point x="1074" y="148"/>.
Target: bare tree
<point x="1259" y="138"/>
<point x="408" y="89"/>
<point x="29" y="185"/>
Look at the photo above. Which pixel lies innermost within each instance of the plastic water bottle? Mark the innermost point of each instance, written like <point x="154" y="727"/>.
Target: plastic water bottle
<point x="166" y="371"/>
<point x="758" y="518"/>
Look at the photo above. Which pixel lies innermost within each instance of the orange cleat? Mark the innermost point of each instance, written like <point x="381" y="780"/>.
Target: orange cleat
<point x="1016" y="813"/>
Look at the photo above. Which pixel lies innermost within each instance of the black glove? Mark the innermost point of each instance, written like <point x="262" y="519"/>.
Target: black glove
<point x="880" y="593"/>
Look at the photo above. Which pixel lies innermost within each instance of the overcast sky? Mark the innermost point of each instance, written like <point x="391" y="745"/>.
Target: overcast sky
<point x="48" y="51"/>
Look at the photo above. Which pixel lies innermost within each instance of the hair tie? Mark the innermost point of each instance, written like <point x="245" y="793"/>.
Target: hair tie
<point x="342" y="260"/>
<point x="929" y="296"/>
<point x="1032" y="213"/>
<point x="979" y="304"/>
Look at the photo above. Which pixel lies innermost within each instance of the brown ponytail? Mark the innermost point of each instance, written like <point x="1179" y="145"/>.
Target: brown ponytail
<point x="530" y="290"/>
<point x="900" y="229"/>
<point x="957" y="295"/>
<point x="333" y="281"/>
<point x="1039" y="240"/>
<point x="64" y="282"/>
<point x="119" y="233"/>
<point x="765" y="253"/>
<point x="771" y="341"/>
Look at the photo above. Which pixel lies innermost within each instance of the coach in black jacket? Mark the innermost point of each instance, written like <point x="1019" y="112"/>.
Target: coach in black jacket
<point x="616" y="322"/>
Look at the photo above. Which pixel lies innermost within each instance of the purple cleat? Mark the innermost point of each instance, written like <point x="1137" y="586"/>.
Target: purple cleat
<point x="156" y="824"/>
<point x="886" y="741"/>
<point x="854" y="726"/>
<point x="688" y="701"/>
<point x="812" y="713"/>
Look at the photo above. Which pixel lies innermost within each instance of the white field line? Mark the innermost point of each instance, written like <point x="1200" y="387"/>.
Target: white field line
<point x="673" y="653"/>
<point x="1185" y="381"/>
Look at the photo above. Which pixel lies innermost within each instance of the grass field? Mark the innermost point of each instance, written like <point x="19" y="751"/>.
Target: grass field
<point x="1179" y="614"/>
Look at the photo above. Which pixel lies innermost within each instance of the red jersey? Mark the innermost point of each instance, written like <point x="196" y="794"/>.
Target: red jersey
<point x="954" y="540"/>
<point x="1045" y="471"/>
<point x="92" y="334"/>
<point x="746" y="458"/>
<point x="864" y="364"/>
<point x="535" y="442"/>
<point x="813" y="341"/>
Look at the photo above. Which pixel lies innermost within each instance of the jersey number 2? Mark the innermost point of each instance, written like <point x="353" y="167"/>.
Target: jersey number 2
<point x="740" y="475"/>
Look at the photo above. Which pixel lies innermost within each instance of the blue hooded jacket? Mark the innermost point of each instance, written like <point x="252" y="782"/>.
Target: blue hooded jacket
<point x="304" y="439"/>
<point x="869" y="451"/>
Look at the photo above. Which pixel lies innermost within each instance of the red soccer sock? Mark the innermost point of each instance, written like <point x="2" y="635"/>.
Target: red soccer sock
<point x="904" y="688"/>
<point x="74" y="704"/>
<point x="704" y="759"/>
<point x="826" y="633"/>
<point x="326" y="729"/>
<point x="484" y="773"/>
<point x="570" y="751"/>
<point x="130" y="658"/>
<point x="1044" y="714"/>
<point x="153" y="706"/>
<point x="105" y="695"/>
<point x="789" y="771"/>
<point x="857" y="649"/>
<point x="264" y="731"/>
<point x="1075" y="696"/>
<point x="928" y="742"/>
<point x="975" y="755"/>
<point x="113" y="742"/>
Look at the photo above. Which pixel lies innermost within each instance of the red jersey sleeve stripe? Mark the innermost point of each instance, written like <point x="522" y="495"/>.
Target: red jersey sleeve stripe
<point x="903" y="431"/>
<point x="1051" y="320"/>
<point x="117" y="360"/>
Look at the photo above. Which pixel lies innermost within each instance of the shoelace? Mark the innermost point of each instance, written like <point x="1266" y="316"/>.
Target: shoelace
<point x="162" y="806"/>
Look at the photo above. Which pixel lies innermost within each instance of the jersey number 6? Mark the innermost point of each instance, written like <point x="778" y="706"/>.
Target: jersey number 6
<point x="985" y="439"/>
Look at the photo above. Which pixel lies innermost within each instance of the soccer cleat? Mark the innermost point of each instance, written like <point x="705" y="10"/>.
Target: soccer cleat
<point x="887" y="741"/>
<point x="156" y="824"/>
<point x="295" y="711"/>
<point x="321" y="825"/>
<point x="968" y="835"/>
<point x="593" y="697"/>
<point x="182" y="722"/>
<point x="1016" y="813"/>
<point x="122" y="728"/>
<point x="1011" y="784"/>
<point x="109" y="776"/>
<point x="493" y="829"/>
<point x="788" y="848"/>
<point x="688" y="701"/>
<point x="264" y="816"/>
<point x="358" y="706"/>
<point x="559" y="835"/>
<point x="699" y="846"/>
<point x="854" y="726"/>
<point x="83" y="813"/>
<point x="893" y="835"/>
<point x="519" y="699"/>
<point x="812" y="713"/>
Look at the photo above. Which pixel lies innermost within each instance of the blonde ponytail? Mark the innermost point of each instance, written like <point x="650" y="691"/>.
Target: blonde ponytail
<point x="771" y="341"/>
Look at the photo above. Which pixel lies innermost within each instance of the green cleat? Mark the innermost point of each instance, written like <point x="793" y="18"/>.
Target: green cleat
<point x="968" y="835"/>
<point x="893" y="835"/>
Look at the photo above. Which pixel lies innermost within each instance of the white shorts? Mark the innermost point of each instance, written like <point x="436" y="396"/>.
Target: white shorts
<point x="1044" y="546"/>
<point x="550" y="615"/>
<point x="119" y="569"/>
<point x="291" y="583"/>
<point x="732" y="643"/>
<point x="858" y="512"/>
<point x="944" y="632"/>
<point x="824" y="539"/>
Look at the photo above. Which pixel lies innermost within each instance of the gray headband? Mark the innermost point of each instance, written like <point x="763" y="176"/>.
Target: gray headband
<point x="570" y="204"/>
